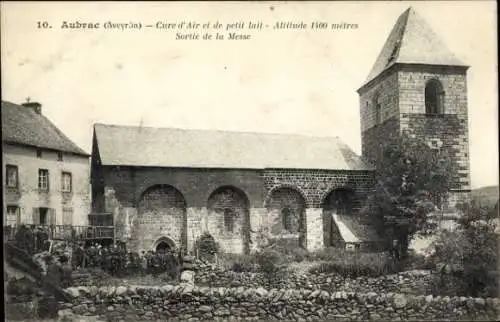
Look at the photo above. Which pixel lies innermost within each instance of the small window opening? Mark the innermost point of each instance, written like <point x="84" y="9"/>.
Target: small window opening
<point x="286" y="217"/>
<point x="434" y="98"/>
<point x="229" y="220"/>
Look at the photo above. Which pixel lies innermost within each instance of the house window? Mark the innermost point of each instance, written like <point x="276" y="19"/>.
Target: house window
<point x="434" y="97"/>
<point x="12" y="216"/>
<point x="44" y="216"/>
<point x="229" y="220"/>
<point x="59" y="156"/>
<point x="67" y="216"/>
<point x="286" y="217"/>
<point x="43" y="179"/>
<point x="38" y="153"/>
<point x="12" y="174"/>
<point x="66" y="182"/>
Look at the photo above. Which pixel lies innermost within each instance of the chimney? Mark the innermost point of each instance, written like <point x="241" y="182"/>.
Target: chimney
<point x="37" y="107"/>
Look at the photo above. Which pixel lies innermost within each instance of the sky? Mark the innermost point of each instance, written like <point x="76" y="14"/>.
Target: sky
<point x="279" y="81"/>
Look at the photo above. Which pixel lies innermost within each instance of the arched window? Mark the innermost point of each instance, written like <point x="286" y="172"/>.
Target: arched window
<point x="286" y="217"/>
<point x="229" y="220"/>
<point x="434" y="97"/>
<point x="377" y="104"/>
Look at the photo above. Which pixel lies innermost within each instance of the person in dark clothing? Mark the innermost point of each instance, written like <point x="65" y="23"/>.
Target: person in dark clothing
<point x="148" y="256"/>
<point x="155" y="264"/>
<point x="78" y="257"/>
<point x="143" y="263"/>
<point x="67" y="271"/>
<point x="41" y="237"/>
<point x="114" y="262"/>
<point x="29" y="241"/>
<point x="19" y="236"/>
<point x="54" y="273"/>
<point x="92" y="256"/>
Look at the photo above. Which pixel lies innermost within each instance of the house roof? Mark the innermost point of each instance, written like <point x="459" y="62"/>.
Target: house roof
<point x="22" y="125"/>
<point x="412" y="41"/>
<point x="169" y="147"/>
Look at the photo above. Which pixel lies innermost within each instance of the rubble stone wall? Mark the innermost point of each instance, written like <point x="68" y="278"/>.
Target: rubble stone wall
<point x="152" y="204"/>
<point x="193" y="303"/>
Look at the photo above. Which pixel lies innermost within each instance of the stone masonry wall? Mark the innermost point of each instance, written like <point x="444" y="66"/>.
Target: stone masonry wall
<point x="193" y="303"/>
<point x="124" y="189"/>
<point x="161" y="213"/>
<point x="230" y="238"/>
<point x="386" y="90"/>
<point x="315" y="185"/>
<point x="295" y="203"/>
<point x="448" y="131"/>
<point x="374" y="136"/>
<point x="412" y="82"/>
<point x="444" y="132"/>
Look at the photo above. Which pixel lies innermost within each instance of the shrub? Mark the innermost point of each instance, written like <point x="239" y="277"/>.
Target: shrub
<point x="206" y="246"/>
<point x="417" y="261"/>
<point x="271" y="265"/>
<point x="238" y="263"/>
<point x="468" y="256"/>
<point x="268" y="261"/>
<point x="327" y="254"/>
<point x="354" y="265"/>
<point x="288" y="252"/>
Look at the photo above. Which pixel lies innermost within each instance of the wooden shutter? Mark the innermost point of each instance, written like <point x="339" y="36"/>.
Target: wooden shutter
<point x="36" y="216"/>
<point x="52" y="216"/>
<point x="18" y="216"/>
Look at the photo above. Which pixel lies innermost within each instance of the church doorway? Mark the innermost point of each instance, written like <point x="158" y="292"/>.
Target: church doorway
<point x="164" y="245"/>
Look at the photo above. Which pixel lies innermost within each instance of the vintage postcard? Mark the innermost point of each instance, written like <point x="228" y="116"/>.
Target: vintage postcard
<point x="266" y="160"/>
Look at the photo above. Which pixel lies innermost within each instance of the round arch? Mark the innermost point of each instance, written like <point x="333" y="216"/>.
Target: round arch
<point x="285" y="186"/>
<point x="229" y="218"/>
<point x="162" y="211"/>
<point x="434" y="97"/>
<point x="169" y="189"/>
<point x="343" y="194"/>
<point x="229" y="193"/>
<point x="164" y="243"/>
<point x="339" y="201"/>
<point x="286" y="206"/>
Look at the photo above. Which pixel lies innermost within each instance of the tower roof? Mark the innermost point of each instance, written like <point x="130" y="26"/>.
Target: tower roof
<point x="412" y="41"/>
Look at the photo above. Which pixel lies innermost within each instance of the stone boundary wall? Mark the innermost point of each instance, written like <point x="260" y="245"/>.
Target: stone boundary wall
<point x="193" y="303"/>
<point x="411" y="282"/>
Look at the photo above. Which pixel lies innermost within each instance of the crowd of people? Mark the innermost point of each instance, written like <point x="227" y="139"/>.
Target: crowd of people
<point x="118" y="261"/>
<point x="33" y="239"/>
<point x="78" y="254"/>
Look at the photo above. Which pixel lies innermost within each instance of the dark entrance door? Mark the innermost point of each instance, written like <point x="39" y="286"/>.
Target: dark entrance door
<point x="163" y="247"/>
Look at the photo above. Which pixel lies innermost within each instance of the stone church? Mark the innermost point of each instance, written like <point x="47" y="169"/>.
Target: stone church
<point x="166" y="187"/>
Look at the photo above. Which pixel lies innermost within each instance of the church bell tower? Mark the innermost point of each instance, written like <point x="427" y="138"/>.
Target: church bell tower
<point x="419" y="87"/>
